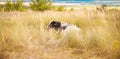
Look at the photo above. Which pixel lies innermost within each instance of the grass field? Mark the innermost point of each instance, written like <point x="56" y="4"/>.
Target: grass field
<point x="23" y="35"/>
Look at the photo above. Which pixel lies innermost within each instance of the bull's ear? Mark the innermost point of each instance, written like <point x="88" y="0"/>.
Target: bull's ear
<point x="52" y="20"/>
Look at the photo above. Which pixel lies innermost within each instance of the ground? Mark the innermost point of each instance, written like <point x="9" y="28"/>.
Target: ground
<point x="23" y="35"/>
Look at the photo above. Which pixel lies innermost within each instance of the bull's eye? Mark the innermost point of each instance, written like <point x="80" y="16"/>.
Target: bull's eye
<point x="55" y="24"/>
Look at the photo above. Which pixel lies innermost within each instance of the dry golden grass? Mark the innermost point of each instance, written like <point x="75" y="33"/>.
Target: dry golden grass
<point x="23" y="35"/>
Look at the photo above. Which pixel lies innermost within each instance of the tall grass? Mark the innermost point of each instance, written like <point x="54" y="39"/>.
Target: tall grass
<point x="23" y="35"/>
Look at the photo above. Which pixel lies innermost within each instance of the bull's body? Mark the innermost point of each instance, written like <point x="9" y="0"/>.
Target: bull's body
<point x="62" y="26"/>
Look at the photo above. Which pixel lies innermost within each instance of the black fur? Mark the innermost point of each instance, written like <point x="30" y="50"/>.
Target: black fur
<point x="55" y="24"/>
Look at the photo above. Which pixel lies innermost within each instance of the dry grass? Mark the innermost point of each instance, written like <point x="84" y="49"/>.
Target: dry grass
<point x="23" y="35"/>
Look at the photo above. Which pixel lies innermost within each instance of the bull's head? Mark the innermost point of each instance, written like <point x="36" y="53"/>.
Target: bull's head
<point x="55" y="25"/>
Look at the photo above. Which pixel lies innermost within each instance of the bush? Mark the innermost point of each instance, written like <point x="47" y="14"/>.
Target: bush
<point x="71" y="9"/>
<point x="1" y="7"/>
<point x="60" y="8"/>
<point x="40" y="5"/>
<point x="18" y="5"/>
<point x="8" y="6"/>
<point x="103" y="6"/>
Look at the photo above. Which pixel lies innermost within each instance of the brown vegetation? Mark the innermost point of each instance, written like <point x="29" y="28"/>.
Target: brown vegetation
<point x="23" y="35"/>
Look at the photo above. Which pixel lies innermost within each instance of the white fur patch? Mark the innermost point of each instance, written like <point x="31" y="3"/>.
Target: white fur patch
<point x="71" y="30"/>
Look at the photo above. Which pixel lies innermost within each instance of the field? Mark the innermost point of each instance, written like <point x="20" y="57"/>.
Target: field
<point x="24" y="35"/>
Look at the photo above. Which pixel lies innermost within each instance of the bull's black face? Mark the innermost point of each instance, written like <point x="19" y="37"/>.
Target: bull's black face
<point x="55" y="24"/>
